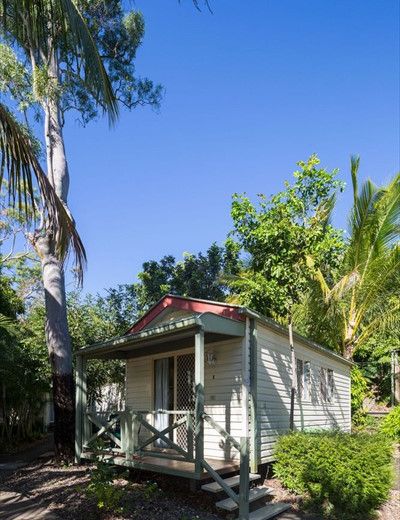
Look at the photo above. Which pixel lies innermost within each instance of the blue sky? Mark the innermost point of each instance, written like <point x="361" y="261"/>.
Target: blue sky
<point x="249" y="90"/>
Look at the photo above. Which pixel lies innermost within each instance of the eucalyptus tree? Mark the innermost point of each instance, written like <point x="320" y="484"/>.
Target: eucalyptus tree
<point x="363" y="299"/>
<point x="71" y="55"/>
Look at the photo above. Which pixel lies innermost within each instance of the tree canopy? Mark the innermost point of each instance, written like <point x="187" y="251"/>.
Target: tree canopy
<point x="279" y="233"/>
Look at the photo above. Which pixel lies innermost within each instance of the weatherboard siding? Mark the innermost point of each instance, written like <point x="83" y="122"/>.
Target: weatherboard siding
<point x="274" y="387"/>
<point x="222" y="393"/>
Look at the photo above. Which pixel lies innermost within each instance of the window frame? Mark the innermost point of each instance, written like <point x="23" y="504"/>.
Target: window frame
<point x="327" y="385"/>
<point x="304" y="377"/>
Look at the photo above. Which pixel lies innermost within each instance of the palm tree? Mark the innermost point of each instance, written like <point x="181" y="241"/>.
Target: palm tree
<point x="363" y="301"/>
<point x="22" y="167"/>
<point x="43" y="29"/>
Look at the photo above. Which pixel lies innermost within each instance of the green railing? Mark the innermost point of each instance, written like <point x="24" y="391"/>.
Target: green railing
<point x="119" y="432"/>
<point x="241" y="498"/>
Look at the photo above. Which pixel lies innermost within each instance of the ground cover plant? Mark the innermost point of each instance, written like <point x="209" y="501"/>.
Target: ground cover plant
<point x="345" y="476"/>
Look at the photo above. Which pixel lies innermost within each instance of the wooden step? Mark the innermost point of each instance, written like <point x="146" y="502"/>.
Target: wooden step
<point x="254" y="494"/>
<point x="214" y="487"/>
<point x="269" y="511"/>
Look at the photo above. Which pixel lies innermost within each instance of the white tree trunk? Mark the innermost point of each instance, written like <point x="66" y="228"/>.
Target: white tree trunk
<point x="57" y="333"/>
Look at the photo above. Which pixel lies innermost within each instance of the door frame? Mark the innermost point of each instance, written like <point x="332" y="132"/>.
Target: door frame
<point x="172" y="354"/>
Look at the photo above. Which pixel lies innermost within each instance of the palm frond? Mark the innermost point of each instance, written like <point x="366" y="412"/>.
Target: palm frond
<point x="361" y="218"/>
<point x="28" y="20"/>
<point x="19" y="163"/>
<point x="7" y="324"/>
<point x="383" y="321"/>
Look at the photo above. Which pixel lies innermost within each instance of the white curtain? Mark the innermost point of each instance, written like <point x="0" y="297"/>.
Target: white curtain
<point x="161" y="396"/>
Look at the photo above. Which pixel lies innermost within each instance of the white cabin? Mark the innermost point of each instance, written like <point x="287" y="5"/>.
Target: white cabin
<point x="204" y="379"/>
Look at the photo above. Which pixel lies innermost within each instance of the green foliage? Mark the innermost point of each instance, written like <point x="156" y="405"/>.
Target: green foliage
<point x="23" y="373"/>
<point x="390" y="425"/>
<point x="101" y="487"/>
<point x="363" y="296"/>
<point x="359" y="390"/>
<point x="280" y="233"/>
<point x="151" y="489"/>
<point x="14" y="77"/>
<point x="117" y="36"/>
<point x="374" y="359"/>
<point x="198" y="276"/>
<point x="349" y="475"/>
<point x="91" y="319"/>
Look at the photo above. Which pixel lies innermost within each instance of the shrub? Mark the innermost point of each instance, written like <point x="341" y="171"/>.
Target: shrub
<point x="359" y="391"/>
<point x="102" y="489"/>
<point x="390" y="425"/>
<point x="349" y="474"/>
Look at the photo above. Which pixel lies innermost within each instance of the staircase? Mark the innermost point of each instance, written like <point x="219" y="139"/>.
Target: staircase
<point x="264" y="512"/>
<point x="239" y="501"/>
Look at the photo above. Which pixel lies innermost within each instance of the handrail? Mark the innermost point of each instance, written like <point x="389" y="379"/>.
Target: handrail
<point x="241" y="499"/>
<point x="221" y="431"/>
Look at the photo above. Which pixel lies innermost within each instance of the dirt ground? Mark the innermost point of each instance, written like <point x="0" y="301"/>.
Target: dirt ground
<point x="147" y="497"/>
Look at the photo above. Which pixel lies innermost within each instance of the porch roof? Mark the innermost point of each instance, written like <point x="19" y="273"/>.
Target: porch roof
<point x="173" y="335"/>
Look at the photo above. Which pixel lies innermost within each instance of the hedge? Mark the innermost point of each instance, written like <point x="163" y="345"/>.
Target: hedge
<point x="349" y="475"/>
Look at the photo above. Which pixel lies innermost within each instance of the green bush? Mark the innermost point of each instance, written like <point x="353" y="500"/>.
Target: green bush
<point x="108" y="497"/>
<point x="390" y="425"/>
<point x="359" y="390"/>
<point x="348" y="475"/>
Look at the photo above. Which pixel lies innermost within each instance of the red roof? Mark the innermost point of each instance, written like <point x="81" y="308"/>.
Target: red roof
<point x="186" y="304"/>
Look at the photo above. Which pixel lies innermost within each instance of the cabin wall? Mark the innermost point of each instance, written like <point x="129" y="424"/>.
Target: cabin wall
<point x="222" y="389"/>
<point x="274" y="388"/>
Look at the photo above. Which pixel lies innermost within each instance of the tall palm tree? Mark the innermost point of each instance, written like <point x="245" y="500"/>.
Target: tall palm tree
<point x="363" y="301"/>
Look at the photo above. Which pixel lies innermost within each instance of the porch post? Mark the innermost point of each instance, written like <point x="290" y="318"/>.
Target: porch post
<point x="85" y="418"/>
<point x="78" y="408"/>
<point x="254" y="427"/>
<point x="245" y="440"/>
<point x="199" y="384"/>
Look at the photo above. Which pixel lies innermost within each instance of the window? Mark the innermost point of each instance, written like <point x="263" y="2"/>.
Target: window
<point x="303" y="379"/>
<point x="331" y="385"/>
<point x="327" y="384"/>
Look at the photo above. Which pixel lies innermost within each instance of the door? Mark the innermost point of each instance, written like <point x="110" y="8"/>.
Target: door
<point x="174" y="389"/>
<point x="185" y="393"/>
<point x="163" y="394"/>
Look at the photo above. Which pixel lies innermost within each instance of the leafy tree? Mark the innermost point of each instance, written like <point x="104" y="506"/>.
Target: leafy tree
<point x="363" y="299"/>
<point x="91" y="319"/>
<point x="74" y="56"/>
<point x="278" y="235"/>
<point x="197" y="276"/>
